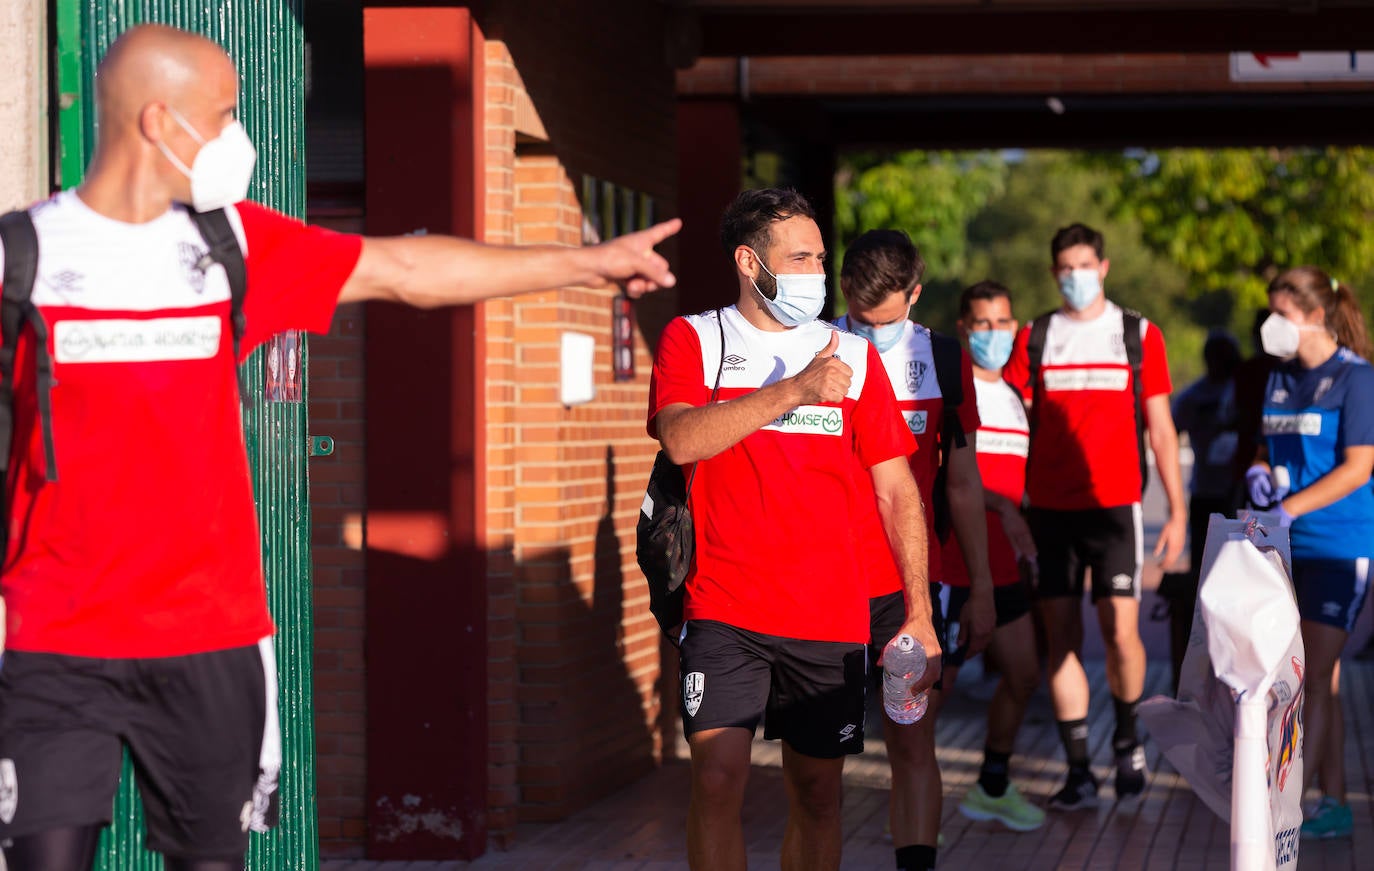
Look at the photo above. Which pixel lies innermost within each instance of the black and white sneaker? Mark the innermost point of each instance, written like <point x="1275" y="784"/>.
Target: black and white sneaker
<point x="1130" y="773"/>
<point x="1079" y="793"/>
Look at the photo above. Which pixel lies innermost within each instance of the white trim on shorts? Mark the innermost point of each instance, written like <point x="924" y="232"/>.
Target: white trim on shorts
<point x="1138" y="522"/>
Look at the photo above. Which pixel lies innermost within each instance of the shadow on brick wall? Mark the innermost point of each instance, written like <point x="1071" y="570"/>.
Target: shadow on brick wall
<point x="585" y="729"/>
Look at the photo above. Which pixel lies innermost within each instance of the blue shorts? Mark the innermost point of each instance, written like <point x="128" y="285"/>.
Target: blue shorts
<point x="1331" y="591"/>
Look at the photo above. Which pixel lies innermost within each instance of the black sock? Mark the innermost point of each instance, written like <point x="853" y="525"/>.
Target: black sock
<point x="993" y="776"/>
<point x="1124" y="739"/>
<point x="1074" y="734"/>
<point x="917" y="857"/>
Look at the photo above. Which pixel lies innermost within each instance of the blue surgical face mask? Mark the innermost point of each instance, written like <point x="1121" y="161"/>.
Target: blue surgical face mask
<point x="1080" y="288"/>
<point x="800" y="296"/>
<point x="883" y="337"/>
<point x="990" y="349"/>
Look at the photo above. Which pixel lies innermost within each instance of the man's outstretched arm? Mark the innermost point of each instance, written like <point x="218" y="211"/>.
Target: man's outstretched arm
<point x="435" y="271"/>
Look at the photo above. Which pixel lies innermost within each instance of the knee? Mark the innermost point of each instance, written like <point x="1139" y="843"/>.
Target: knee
<point x="817" y="798"/>
<point x="912" y="748"/>
<point x="1021" y="684"/>
<point x="719" y="784"/>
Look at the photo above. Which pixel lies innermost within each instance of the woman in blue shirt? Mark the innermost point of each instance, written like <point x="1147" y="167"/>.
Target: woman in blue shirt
<point x="1316" y="461"/>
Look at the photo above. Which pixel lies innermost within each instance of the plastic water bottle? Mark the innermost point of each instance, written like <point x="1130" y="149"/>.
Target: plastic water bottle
<point x="904" y="661"/>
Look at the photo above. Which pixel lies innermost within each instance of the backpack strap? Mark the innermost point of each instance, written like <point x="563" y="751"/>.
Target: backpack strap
<point x="720" y="370"/>
<point x="1035" y="354"/>
<point x="1135" y="356"/>
<point x="224" y="249"/>
<point x="20" y="240"/>
<point x="949" y="371"/>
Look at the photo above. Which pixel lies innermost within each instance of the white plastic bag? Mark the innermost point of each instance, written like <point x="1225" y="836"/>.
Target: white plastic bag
<point x="1234" y="731"/>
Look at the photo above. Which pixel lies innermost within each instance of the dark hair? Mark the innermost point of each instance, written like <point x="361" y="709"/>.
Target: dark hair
<point x="985" y="289"/>
<point x="1073" y="235"/>
<point x="749" y="218"/>
<point x="876" y="264"/>
<point x="1313" y="289"/>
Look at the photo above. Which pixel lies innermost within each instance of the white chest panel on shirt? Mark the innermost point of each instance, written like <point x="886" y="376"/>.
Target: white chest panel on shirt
<point x="756" y="358"/>
<point x="1003" y="427"/>
<point x="87" y="261"/>
<point x="1095" y="343"/>
<point x="910" y="366"/>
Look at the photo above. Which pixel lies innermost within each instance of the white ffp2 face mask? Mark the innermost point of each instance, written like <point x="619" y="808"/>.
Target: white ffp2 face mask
<point x="1280" y="337"/>
<point x="221" y="170"/>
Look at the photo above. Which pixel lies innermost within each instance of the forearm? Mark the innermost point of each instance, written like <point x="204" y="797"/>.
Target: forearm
<point x="692" y="434"/>
<point x="1165" y="447"/>
<point x="435" y="271"/>
<point x="1331" y="487"/>
<point x="904" y="522"/>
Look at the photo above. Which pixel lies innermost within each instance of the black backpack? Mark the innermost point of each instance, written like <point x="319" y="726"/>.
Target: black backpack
<point x="949" y="365"/>
<point x="20" y="243"/>
<point x="665" y="535"/>
<point x="1135" y="356"/>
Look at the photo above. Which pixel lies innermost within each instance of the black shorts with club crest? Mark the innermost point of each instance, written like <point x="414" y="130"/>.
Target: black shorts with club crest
<point x="808" y="693"/>
<point x="201" y="729"/>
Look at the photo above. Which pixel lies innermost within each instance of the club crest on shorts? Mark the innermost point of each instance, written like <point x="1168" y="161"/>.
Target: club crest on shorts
<point x="1122" y="582"/>
<point x="693" y="687"/>
<point x="9" y="791"/>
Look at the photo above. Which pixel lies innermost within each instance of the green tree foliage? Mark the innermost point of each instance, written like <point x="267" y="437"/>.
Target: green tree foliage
<point x="1007" y="237"/>
<point x="1233" y="219"/>
<point x="932" y="195"/>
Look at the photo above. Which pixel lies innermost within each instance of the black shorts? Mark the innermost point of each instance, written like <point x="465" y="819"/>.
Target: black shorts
<point x="1107" y="541"/>
<point x="809" y="693"/>
<point x="202" y="731"/>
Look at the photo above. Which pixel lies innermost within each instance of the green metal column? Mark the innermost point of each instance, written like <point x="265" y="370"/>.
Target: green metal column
<point x="265" y="38"/>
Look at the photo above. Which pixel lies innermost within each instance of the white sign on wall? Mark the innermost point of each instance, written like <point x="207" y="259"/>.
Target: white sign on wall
<point x="1302" y="66"/>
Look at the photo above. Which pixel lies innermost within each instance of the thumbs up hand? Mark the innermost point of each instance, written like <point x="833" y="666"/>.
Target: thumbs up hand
<point x="826" y="379"/>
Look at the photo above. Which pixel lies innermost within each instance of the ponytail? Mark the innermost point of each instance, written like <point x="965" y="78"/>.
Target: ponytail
<point x="1344" y="318"/>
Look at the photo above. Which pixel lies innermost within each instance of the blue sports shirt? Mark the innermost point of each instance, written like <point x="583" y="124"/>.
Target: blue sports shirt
<point x="1310" y="417"/>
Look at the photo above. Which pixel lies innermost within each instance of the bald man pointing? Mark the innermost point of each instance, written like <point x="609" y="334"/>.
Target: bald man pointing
<point x="136" y="607"/>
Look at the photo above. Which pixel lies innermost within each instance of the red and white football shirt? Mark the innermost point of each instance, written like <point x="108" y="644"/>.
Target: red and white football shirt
<point x="910" y="366"/>
<point x="1084" y="452"/>
<point x="774" y="540"/>
<point x="148" y="545"/>
<point x="1003" y="440"/>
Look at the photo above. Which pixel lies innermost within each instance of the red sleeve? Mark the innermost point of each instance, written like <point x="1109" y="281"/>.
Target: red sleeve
<point x="295" y="273"/>
<point x="1154" y="365"/>
<point x="678" y="375"/>
<point x="880" y="431"/>
<point x="1017" y="371"/>
<point x="968" y="409"/>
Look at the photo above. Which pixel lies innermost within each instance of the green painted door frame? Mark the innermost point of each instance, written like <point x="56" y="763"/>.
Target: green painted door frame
<point x="266" y="40"/>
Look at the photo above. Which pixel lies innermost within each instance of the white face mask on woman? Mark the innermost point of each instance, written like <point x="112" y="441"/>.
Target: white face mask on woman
<point x="1280" y="337"/>
<point x="221" y="170"/>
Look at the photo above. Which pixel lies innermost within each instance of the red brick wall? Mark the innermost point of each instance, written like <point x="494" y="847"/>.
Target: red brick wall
<point x="574" y="655"/>
<point x="980" y="74"/>
<point x="573" y="662"/>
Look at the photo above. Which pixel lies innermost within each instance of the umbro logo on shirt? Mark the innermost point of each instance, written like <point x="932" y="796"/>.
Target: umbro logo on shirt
<point x="734" y="362"/>
<point x="65" y="282"/>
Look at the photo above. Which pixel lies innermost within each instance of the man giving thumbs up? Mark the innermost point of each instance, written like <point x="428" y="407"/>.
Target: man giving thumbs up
<point x="777" y="615"/>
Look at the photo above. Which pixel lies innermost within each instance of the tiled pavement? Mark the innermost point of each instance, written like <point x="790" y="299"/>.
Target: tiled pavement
<point x="641" y="827"/>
